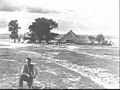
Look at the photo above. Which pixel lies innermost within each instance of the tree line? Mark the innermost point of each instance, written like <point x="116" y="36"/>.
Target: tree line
<point x="40" y="30"/>
<point x="100" y="39"/>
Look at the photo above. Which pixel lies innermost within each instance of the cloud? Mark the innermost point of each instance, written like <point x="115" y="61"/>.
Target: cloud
<point x="41" y="10"/>
<point x="9" y="8"/>
<point x="5" y="6"/>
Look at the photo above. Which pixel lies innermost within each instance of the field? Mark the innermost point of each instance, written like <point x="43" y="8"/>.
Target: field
<point x="61" y="66"/>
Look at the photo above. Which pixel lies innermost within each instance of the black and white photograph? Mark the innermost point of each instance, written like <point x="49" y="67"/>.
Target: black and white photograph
<point x="59" y="44"/>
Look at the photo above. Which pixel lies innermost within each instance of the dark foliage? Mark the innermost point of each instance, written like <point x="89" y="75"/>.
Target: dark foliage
<point x="100" y="38"/>
<point x="41" y="29"/>
<point x="92" y="39"/>
<point x="13" y="28"/>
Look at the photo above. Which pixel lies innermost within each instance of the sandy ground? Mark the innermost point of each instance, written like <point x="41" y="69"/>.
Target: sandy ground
<point x="64" y="67"/>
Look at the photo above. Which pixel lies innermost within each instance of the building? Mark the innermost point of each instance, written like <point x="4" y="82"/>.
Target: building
<point x="71" y="37"/>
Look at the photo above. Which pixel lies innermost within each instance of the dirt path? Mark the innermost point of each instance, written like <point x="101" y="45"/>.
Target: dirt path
<point x="76" y="75"/>
<point x="98" y="75"/>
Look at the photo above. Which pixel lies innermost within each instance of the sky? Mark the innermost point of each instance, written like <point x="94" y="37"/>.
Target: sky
<point x="87" y="17"/>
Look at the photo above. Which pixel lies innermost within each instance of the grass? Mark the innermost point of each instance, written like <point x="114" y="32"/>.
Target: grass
<point x="51" y="74"/>
<point x="82" y="59"/>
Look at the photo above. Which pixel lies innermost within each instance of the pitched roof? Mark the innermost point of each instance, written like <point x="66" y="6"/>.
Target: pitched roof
<point x="75" y="38"/>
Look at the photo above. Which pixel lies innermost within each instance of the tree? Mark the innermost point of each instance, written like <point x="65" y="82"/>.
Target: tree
<point x="13" y="28"/>
<point x="100" y="38"/>
<point x="32" y="36"/>
<point x="92" y="39"/>
<point x="42" y="29"/>
<point x="53" y="35"/>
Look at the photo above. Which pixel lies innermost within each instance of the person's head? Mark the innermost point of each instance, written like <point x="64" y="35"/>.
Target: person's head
<point x="28" y="60"/>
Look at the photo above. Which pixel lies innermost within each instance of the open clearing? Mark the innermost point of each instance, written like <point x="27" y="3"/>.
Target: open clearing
<point x="61" y="66"/>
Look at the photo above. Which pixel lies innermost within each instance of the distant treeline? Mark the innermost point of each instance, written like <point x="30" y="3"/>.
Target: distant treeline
<point x="7" y="36"/>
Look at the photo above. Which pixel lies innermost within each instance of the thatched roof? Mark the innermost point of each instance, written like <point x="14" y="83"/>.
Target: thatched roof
<point x="74" y="38"/>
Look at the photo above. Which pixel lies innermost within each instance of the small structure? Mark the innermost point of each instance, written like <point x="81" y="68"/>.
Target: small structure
<point x="71" y="37"/>
<point x="108" y="43"/>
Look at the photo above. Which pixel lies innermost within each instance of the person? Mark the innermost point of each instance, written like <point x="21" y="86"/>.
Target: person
<point x="28" y="72"/>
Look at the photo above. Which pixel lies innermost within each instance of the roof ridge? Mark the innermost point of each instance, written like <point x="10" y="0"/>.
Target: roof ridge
<point x="69" y="33"/>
